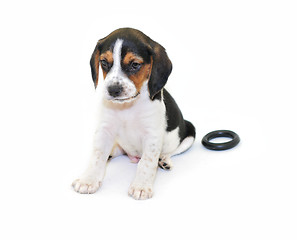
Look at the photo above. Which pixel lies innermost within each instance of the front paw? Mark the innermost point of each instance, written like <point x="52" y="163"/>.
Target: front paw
<point x="140" y="191"/>
<point x="86" y="185"/>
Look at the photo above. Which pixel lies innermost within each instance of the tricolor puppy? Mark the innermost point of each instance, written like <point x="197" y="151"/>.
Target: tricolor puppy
<point x="137" y="116"/>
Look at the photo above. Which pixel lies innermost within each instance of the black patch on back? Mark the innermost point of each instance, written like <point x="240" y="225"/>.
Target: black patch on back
<point x="173" y="113"/>
<point x="175" y="118"/>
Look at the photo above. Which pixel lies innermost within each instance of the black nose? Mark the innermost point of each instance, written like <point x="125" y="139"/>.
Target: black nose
<point x="115" y="90"/>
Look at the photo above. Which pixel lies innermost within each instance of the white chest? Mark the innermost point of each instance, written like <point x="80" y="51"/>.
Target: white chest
<point x="137" y="123"/>
<point x="130" y="137"/>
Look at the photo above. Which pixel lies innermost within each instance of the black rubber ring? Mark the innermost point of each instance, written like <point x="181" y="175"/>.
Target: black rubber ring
<point x="220" y="146"/>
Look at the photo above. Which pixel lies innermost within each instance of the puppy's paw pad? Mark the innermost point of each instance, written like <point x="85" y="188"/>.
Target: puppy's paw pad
<point x="165" y="163"/>
<point x="86" y="186"/>
<point x="139" y="192"/>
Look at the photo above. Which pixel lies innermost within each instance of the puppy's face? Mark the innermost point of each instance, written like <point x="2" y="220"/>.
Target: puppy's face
<point x="125" y="69"/>
<point x="128" y="59"/>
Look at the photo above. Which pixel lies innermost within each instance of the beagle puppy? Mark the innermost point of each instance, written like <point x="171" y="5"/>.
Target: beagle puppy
<point x="136" y="115"/>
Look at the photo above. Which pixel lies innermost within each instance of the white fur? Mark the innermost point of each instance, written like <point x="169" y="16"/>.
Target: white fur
<point x="184" y="146"/>
<point x="136" y="127"/>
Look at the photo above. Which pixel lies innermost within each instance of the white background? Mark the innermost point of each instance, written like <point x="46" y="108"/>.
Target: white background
<point x="234" y="67"/>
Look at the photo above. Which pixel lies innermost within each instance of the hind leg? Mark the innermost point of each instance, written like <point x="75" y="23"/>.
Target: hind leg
<point x="165" y="162"/>
<point x="184" y="146"/>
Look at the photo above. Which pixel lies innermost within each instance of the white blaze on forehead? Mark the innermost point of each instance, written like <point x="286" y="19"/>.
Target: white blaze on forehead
<point x="117" y="52"/>
<point x="115" y="74"/>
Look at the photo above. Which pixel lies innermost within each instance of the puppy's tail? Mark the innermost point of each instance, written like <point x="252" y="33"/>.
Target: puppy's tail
<point x="190" y="129"/>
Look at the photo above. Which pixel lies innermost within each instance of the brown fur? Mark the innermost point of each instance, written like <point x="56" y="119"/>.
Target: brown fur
<point x="140" y="77"/>
<point x="107" y="56"/>
<point x="96" y="64"/>
<point x="131" y="57"/>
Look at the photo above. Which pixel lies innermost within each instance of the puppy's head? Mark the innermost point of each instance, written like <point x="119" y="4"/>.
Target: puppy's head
<point x="128" y="59"/>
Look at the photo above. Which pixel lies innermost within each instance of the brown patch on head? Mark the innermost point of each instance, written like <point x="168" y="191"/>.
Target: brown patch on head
<point x="104" y="73"/>
<point x="141" y="76"/>
<point x="131" y="57"/>
<point x="107" y="56"/>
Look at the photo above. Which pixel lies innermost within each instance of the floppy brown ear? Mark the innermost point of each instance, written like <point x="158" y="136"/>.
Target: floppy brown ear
<point x="94" y="62"/>
<point x="160" y="72"/>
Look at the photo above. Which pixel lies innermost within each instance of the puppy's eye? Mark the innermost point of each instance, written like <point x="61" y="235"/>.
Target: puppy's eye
<point x="104" y="63"/>
<point x="135" y="66"/>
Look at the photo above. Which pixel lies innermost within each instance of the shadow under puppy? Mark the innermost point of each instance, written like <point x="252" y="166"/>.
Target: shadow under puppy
<point x="137" y="116"/>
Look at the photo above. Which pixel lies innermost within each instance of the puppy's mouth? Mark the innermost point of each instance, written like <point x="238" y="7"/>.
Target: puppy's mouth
<point x="122" y="100"/>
